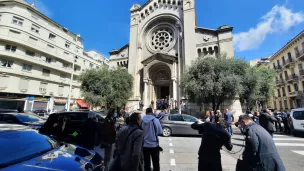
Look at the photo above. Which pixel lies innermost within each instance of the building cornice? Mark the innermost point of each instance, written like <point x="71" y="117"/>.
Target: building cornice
<point x="288" y="45"/>
<point x="115" y="52"/>
<point x="119" y="59"/>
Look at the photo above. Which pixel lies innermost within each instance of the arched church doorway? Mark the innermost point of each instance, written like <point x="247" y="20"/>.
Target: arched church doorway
<point x="160" y="77"/>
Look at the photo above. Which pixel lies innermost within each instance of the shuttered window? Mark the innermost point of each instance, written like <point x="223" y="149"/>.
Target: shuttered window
<point x="60" y="90"/>
<point x="23" y="84"/>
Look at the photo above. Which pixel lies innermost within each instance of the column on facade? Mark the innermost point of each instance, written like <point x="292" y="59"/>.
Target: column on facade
<point x="146" y="86"/>
<point x="174" y="80"/>
<point x="137" y="76"/>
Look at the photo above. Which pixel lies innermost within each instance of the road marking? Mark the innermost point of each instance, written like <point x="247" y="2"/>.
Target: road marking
<point x="299" y="152"/>
<point x="171" y="151"/>
<point x="170" y="139"/>
<point x="289" y="144"/>
<point x="276" y="135"/>
<point x="288" y="139"/>
<point x="172" y="162"/>
<point x="170" y="144"/>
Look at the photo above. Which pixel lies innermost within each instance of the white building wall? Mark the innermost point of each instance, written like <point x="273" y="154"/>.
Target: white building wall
<point x="62" y="56"/>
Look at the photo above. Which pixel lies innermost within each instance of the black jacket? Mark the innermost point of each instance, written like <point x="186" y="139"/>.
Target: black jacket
<point x="214" y="136"/>
<point x="266" y="121"/>
<point x="260" y="147"/>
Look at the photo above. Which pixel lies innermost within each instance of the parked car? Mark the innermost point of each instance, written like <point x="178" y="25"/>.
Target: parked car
<point x="7" y="111"/>
<point x="178" y="124"/>
<point x="40" y="113"/>
<point x="22" y="119"/>
<point x="74" y="123"/>
<point x="25" y="149"/>
<point x="297" y="121"/>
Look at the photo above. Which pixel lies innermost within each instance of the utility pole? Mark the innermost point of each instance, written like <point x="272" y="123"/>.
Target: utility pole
<point x="70" y="88"/>
<point x="178" y="26"/>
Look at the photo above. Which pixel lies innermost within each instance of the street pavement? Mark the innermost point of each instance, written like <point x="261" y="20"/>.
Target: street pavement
<point x="180" y="153"/>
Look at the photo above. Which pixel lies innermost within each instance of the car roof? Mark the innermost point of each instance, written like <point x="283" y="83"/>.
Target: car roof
<point x="298" y="109"/>
<point x="7" y="113"/>
<point x="12" y="127"/>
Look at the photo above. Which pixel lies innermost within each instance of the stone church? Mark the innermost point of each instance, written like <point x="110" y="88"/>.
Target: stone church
<point x="164" y="40"/>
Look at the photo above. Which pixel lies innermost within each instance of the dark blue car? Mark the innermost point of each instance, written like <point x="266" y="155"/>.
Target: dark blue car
<point x="25" y="149"/>
<point x="22" y="119"/>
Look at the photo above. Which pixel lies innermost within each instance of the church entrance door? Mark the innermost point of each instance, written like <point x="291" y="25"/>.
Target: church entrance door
<point x="164" y="92"/>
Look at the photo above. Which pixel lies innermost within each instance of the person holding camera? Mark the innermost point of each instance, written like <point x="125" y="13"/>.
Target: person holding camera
<point x="214" y="136"/>
<point x="152" y="129"/>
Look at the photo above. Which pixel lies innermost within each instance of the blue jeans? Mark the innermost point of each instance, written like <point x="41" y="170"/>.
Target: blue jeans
<point x="230" y="130"/>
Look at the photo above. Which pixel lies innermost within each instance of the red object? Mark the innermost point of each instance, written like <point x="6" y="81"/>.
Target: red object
<point x="83" y="104"/>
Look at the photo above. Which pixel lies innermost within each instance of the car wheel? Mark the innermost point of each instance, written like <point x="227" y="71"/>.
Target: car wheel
<point x="293" y="132"/>
<point x="166" y="132"/>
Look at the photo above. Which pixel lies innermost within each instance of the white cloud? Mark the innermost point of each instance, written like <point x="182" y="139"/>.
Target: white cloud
<point x="279" y="19"/>
<point x="41" y="7"/>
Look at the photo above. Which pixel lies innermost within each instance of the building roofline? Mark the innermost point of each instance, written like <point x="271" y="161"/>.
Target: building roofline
<point x="220" y="29"/>
<point x="114" y="52"/>
<point x="288" y="44"/>
<point x="23" y="3"/>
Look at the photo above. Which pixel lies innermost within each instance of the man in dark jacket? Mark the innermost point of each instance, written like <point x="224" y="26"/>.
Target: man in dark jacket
<point x="214" y="136"/>
<point x="267" y="120"/>
<point x="260" y="150"/>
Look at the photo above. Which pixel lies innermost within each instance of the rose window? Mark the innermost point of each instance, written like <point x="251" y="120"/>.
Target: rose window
<point x="162" y="39"/>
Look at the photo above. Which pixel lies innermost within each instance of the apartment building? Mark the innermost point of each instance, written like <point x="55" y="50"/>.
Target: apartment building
<point x="37" y="58"/>
<point x="98" y="57"/>
<point x="289" y="65"/>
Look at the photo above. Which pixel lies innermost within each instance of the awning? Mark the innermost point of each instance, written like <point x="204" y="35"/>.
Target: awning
<point x="82" y="104"/>
<point x="60" y="101"/>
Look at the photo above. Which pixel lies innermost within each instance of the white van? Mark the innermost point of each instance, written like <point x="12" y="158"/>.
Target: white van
<point x="297" y="121"/>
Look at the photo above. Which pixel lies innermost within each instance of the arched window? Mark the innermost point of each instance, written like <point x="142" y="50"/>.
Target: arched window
<point x="205" y="51"/>
<point x="216" y="50"/>
<point x="199" y="52"/>
<point x="174" y="2"/>
<point x="210" y="51"/>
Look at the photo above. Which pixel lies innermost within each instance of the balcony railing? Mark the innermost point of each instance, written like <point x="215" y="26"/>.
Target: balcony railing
<point x="301" y="72"/>
<point x="292" y="77"/>
<point x="288" y="63"/>
<point x="280" y="82"/>
<point x="278" y="68"/>
<point x="300" y="55"/>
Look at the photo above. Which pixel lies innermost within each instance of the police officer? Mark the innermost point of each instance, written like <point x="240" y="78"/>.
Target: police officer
<point x="214" y="136"/>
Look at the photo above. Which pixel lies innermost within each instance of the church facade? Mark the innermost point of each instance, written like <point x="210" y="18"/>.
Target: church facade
<point x="164" y="40"/>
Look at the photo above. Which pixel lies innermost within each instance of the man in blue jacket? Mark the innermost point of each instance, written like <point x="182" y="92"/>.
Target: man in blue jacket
<point x="152" y="128"/>
<point x="229" y="119"/>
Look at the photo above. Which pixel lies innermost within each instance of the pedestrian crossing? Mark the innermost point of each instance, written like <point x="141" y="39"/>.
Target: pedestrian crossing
<point x="282" y="142"/>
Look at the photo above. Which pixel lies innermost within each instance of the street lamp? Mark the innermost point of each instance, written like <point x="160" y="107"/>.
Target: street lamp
<point x="70" y="89"/>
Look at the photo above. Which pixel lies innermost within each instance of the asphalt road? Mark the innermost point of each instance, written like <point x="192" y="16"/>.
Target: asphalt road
<point x="180" y="153"/>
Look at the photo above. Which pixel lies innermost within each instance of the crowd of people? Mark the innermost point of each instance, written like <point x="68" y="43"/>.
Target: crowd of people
<point x="260" y="152"/>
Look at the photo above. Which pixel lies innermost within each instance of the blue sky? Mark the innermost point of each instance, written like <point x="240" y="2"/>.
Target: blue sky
<point x="261" y="27"/>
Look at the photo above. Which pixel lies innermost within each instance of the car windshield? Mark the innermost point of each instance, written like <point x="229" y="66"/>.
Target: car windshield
<point x="23" y="145"/>
<point x="28" y="118"/>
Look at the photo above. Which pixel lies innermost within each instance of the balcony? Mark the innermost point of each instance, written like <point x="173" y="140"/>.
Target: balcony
<point x="278" y="68"/>
<point x="280" y="82"/>
<point x="292" y="77"/>
<point x="300" y="55"/>
<point x="301" y="72"/>
<point x="288" y="63"/>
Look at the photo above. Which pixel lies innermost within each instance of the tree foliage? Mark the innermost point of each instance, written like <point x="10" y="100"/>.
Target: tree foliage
<point x="214" y="80"/>
<point x="107" y="87"/>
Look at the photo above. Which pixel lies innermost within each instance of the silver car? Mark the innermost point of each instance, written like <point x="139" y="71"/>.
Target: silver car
<point x="178" y="124"/>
